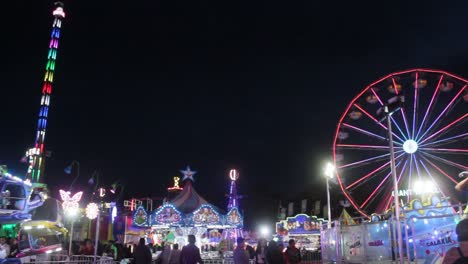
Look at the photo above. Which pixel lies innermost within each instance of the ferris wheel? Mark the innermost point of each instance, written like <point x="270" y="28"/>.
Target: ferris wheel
<point x="430" y="137"/>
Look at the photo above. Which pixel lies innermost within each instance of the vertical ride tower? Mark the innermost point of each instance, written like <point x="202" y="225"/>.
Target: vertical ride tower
<point x="36" y="154"/>
<point x="233" y="197"/>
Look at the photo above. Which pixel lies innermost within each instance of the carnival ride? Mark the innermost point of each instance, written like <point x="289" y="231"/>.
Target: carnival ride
<point x="189" y="213"/>
<point x="24" y="203"/>
<point x="430" y="141"/>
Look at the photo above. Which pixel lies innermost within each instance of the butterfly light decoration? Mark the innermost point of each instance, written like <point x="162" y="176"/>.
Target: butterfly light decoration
<point x="70" y="203"/>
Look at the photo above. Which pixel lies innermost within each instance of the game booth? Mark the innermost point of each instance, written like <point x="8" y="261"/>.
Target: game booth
<point x="304" y="229"/>
<point x="189" y="214"/>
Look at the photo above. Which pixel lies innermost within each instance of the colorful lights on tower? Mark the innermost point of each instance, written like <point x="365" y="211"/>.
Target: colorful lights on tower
<point x="36" y="154"/>
<point x="233" y="197"/>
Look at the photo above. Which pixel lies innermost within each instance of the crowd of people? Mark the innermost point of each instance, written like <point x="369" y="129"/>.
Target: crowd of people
<point x="273" y="253"/>
<point x="8" y="247"/>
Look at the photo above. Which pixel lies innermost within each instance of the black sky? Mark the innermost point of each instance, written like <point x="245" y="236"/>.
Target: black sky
<point x="144" y="88"/>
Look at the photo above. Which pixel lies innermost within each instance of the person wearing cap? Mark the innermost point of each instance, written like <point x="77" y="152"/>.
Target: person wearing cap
<point x="463" y="188"/>
<point x="241" y="256"/>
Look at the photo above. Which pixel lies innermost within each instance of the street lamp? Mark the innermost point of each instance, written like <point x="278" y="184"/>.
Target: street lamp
<point x="329" y="173"/>
<point x="410" y="146"/>
<point x="71" y="207"/>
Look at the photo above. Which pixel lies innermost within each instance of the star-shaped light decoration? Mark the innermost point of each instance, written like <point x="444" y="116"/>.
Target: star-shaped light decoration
<point x="188" y="174"/>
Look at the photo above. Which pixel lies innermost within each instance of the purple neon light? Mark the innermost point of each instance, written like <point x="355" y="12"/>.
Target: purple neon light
<point x="371" y="173"/>
<point x="375" y="120"/>
<point x="430" y="104"/>
<point x="444" y="128"/>
<point x="415" y="104"/>
<point x="364" y="160"/>
<point x="362" y="146"/>
<point x="399" y="185"/>
<point x="402" y="110"/>
<point x="391" y="117"/>
<point x="416" y="166"/>
<point x="381" y="183"/>
<point x="443" y="112"/>
<point x="443" y="140"/>
<point x="445" y="150"/>
<point x="463" y="167"/>
<point x="432" y="177"/>
<point x="440" y="170"/>
<point x="363" y="131"/>
<point x="410" y="174"/>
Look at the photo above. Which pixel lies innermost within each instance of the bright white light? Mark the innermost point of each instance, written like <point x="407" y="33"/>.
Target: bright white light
<point x="48" y="251"/>
<point x="410" y="146"/>
<point x="27" y="227"/>
<point x="92" y="210"/>
<point x="424" y="187"/>
<point x="329" y="170"/>
<point x="40" y="227"/>
<point x="58" y="249"/>
<point x="264" y="230"/>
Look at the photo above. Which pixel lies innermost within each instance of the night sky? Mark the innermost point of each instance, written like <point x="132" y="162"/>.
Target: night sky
<point x="144" y="88"/>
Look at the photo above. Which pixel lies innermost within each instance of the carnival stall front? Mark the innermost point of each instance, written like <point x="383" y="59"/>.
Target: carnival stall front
<point x="304" y="229"/>
<point x="188" y="214"/>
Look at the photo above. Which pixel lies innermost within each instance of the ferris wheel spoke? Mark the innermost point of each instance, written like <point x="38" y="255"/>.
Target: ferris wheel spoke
<point x="444" y="141"/>
<point x="389" y="202"/>
<point x="432" y="177"/>
<point x="440" y="170"/>
<point x="376" y="121"/>
<point x="430" y="105"/>
<point x="442" y="113"/>
<point x="415" y="104"/>
<point x="391" y="117"/>
<point x="445" y="150"/>
<point x="359" y="146"/>
<point x="372" y="173"/>
<point x="445" y="128"/>
<point x="418" y="171"/>
<point x="363" y="131"/>
<point x="361" y="162"/>
<point x="402" y="110"/>
<point x="452" y="163"/>
<point x="382" y="182"/>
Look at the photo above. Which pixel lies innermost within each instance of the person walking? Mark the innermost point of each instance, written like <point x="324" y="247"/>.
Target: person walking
<point x="190" y="253"/>
<point x="274" y="254"/>
<point x="142" y="254"/>
<point x="241" y="256"/>
<point x="260" y="253"/>
<point x="174" y="258"/>
<point x="292" y="254"/>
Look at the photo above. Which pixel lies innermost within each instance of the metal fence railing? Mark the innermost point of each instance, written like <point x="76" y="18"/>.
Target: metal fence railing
<point x="62" y="259"/>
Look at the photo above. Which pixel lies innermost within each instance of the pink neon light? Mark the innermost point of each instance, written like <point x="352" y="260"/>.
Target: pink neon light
<point x="444" y="128"/>
<point x="440" y="170"/>
<point x="335" y="138"/>
<point x="394" y="86"/>
<point x="443" y="112"/>
<point x="371" y="173"/>
<point x="381" y="183"/>
<point x="430" y="104"/>
<point x="432" y="177"/>
<point x="376" y="189"/>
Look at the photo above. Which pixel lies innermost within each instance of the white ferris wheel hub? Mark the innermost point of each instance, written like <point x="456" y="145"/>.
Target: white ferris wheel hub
<point x="410" y="146"/>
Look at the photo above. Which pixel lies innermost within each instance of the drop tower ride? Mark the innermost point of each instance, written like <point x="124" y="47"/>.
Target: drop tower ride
<point x="36" y="157"/>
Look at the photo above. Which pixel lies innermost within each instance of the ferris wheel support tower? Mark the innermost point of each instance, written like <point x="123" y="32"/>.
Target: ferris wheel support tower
<point x="36" y="154"/>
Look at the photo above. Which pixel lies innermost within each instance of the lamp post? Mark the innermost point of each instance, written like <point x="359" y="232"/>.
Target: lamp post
<point x="71" y="207"/>
<point x="329" y="171"/>
<point x="394" y="104"/>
